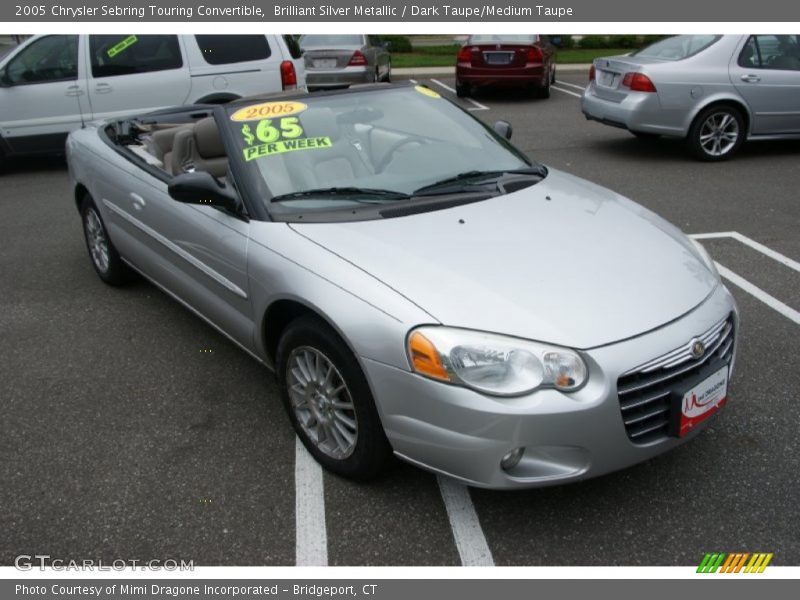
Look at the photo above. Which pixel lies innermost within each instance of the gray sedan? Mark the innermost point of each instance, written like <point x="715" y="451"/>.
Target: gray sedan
<point x="716" y="91"/>
<point x="335" y="60"/>
<point x="420" y="287"/>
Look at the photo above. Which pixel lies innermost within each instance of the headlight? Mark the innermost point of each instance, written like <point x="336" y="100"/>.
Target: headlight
<point x="703" y="254"/>
<point x="494" y="364"/>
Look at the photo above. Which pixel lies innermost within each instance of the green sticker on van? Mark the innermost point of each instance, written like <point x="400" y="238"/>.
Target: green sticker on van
<point x="122" y="46"/>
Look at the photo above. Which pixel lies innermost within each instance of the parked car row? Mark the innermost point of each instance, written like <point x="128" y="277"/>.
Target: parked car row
<point x="53" y="84"/>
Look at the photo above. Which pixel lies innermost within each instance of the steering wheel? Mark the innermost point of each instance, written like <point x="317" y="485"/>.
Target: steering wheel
<point x="388" y="157"/>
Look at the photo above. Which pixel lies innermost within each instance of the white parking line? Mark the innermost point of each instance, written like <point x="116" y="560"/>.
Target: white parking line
<point x="414" y="81"/>
<point x="784" y="260"/>
<point x="563" y="91"/>
<point x="311" y="536"/>
<point x="760" y="294"/>
<point x="467" y="532"/>
<point x="572" y="85"/>
<point x="477" y="105"/>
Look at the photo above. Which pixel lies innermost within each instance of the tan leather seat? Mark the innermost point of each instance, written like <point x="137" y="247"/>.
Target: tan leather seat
<point x="343" y="164"/>
<point x="199" y="148"/>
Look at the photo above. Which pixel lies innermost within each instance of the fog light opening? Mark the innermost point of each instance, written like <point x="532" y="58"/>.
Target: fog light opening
<point x="512" y="459"/>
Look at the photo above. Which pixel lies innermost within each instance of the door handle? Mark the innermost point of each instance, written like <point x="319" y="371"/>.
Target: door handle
<point x="750" y="78"/>
<point x="74" y="90"/>
<point x="138" y="201"/>
<point x="103" y="88"/>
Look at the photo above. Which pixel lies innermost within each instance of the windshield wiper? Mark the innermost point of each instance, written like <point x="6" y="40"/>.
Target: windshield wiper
<point x="447" y="185"/>
<point x="345" y="193"/>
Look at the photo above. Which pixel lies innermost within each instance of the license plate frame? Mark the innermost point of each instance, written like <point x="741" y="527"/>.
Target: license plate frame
<point x="607" y="78"/>
<point x="698" y="401"/>
<point x="498" y="58"/>
<point x="324" y="63"/>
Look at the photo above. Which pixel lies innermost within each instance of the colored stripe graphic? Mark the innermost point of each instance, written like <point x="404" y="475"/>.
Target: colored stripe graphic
<point x="734" y="562"/>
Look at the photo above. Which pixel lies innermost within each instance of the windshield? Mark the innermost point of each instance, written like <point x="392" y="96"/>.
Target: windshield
<point x="330" y="41"/>
<point x="677" y="47"/>
<point x="500" y="38"/>
<point x="379" y="145"/>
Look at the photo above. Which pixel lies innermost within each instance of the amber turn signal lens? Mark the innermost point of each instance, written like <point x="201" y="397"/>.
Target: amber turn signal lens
<point x="425" y="357"/>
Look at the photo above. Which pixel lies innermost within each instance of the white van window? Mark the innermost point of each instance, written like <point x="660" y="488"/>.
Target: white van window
<point x="51" y="58"/>
<point x="114" y="55"/>
<point x="227" y="49"/>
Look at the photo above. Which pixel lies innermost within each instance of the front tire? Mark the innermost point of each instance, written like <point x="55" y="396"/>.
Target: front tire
<point x="717" y="133"/>
<point x="328" y="401"/>
<point x="105" y="258"/>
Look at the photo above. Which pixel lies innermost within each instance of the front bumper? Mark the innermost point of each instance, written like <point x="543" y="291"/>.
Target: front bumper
<point x="567" y="437"/>
<point x="638" y="111"/>
<point x="333" y="78"/>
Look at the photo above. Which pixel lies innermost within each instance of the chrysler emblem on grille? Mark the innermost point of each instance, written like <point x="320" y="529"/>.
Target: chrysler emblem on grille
<point x="698" y="348"/>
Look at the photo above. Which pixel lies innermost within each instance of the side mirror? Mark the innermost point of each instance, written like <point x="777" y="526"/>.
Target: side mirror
<point x="503" y="128"/>
<point x="5" y="80"/>
<point x="200" y="187"/>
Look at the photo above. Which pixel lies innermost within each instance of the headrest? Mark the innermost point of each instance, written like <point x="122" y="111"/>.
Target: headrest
<point x="320" y="122"/>
<point x="207" y="138"/>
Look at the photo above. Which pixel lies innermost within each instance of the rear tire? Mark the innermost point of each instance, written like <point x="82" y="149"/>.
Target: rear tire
<point x="388" y="78"/>
<point x="105" y="258"/>
<point x="462" y="89"/>
<point x="553" y="76"/>
<point x="717" y="133"/>
<point x="329" y="402"/>
<point x="542" y="91"/>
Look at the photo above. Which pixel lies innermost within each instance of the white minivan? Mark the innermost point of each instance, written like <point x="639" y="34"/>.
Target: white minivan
<point x="53" y="84"/>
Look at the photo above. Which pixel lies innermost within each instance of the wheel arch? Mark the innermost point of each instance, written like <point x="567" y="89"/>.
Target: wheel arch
<point x="81" y="191"/>
<point x="283" y="311"/>
<point x="217" y="98"/>
<point x="732" y="101"/>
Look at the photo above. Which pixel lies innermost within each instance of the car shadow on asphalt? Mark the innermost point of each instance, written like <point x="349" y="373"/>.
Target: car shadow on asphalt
<point x="635" y="149"/>
<point x="21" y="166"/>
<point x="513" y="95"/>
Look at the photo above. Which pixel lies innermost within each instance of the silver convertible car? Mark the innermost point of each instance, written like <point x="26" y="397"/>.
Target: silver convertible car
<point x="715" y="91"/>
<point x="420" y="287"/>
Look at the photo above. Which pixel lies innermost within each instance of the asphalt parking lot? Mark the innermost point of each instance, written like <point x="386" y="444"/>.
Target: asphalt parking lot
<point x="132" y="430"/>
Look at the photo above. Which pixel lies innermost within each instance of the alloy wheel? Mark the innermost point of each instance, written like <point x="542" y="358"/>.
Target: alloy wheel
<point x="719" y="133"/>
<point x="97" y="240"/>
<point x="321" y="402"/>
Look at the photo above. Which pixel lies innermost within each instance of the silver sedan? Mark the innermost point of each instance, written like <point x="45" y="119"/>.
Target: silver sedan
<point x="716" y="91"/>
<point x="339" y="60"/>
<point x="420" y="287"/>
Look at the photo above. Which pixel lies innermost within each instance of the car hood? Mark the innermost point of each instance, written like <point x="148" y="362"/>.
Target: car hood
<point x="563" y="261"/>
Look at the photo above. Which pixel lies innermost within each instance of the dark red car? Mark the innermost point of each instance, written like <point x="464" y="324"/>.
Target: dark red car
<point x="507" y="61"/>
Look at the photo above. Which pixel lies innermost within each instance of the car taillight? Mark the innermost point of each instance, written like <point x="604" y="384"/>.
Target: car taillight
<point x="465" y="55"/>
<point x="534" y="55"/>
<point x="357" y="60"/>
<point x="288" y="75"/>
<point x="638" y="82"/>
<point x="591" y="73"/>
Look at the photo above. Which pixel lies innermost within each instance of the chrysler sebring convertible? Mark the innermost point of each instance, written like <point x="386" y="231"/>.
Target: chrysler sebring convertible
<point x="419" y="286"/>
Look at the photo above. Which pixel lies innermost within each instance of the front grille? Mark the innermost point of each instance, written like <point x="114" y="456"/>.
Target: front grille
<point x="645" y="392"/>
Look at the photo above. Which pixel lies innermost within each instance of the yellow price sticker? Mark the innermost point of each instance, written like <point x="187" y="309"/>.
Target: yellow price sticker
<point x="267" y="110"/>
<point x="262" y="150"/>
<point x="272" y="130"/>
<point x="427" y="91"/>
